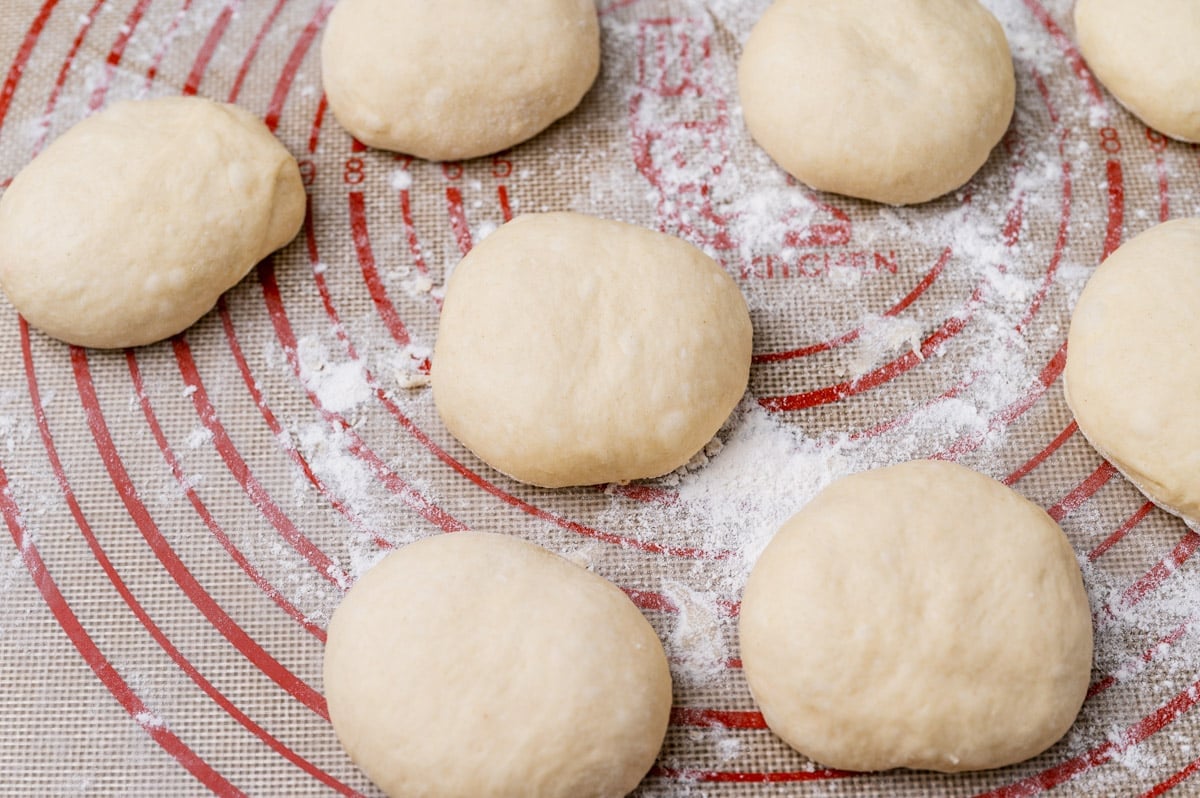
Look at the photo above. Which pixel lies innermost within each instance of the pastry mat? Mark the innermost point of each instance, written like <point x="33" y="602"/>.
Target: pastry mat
<point x="181" y="519"/>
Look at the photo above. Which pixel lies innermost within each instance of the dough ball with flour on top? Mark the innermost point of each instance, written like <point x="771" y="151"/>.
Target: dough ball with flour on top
<point x="897" y="102"/>
<point x="1147" y="53"/>
<point x="1133" y="363"/>
<point x="574" y="350"/>
<point x="130" y="226"/>
<point x="474" y="665"/>
<point x="919" y="616"/>
<point x="456" y="79"/>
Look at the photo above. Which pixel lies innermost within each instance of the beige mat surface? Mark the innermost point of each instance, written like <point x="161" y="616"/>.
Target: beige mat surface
<point x="182" y="518"/>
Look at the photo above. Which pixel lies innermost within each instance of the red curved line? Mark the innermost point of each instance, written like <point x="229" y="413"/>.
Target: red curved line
<point x="284" y="86"/>
<point x="1082" y="492"/>
<point x="117" y="52"/>
<point x="458" y="219"/>
<point x="410" y="235"/>
<point x="1162" y="571"/>
<point x="1137" y="733"/>
<point x="1039" y="458"/>
<point x="894" y="310"/>
<point x="131" y="601"/>
<point x="366" y="260"/>
<point x="192" y="84"/>
<point x="281" y="436"/>
<point x="164" y="44"/>
<point x="253" y="51"/>
<point x="738" y="777"/>
<point x="886" y="373"/>
<point x="17" y="69"/>
<point x="506" y="211"/>
<point x="725" y="719"/>
<point x="1174" y="781"/>
<point x="108" y="675"/>
<point x="177" y="471"/>
<point x="287" y="340"/>
<point x="178" y="570"/>
<point x="1121" y="531"/>
<point x="1147" y="656"/>
<point x="1116" y="208"/>
<point x="314" y="135"/>
<point x="61" y="79"/>
<point x="240" y="470"/>
<point x="1074" y="59"/>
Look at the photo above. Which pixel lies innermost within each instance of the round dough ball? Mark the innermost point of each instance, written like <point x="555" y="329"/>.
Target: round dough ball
<point x="130" y="226"/>
<point x="577" y="351"/>
<point x="1147" y="53"/>
<point x="457" y="79"/>
<point x="482" y="666"/>
<point x="897" y="102"/>
<point x="919" y="616"/>
<point x="1133" y="363"/>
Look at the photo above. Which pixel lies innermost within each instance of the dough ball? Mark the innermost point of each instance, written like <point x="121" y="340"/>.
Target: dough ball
<point x="576" y="351"/>
<point x="919" y="616"/>
<point x="897" y="102"/>
<point x="456" y="79"/>
<point x="1133" y="363"/>
<point x="130" y="226"/>
<point x="480" y="666"/>
<point x="1147" y="53"/>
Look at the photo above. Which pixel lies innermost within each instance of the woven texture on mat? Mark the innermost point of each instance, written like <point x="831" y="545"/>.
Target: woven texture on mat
<point x="184" y="517"/>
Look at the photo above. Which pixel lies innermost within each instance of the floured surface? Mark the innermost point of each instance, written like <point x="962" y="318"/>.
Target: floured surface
<point x="183" y="518"/>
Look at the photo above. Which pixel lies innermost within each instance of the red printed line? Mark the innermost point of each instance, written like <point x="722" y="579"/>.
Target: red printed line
<point x="284" y="86"/>
<point x="1148" y="656"/>
<point x="327" y="568"/>
<point x="61" y="79"/>
<point x="505" y="207"/>
<point x="177" y="471"/>
<point x="736" y="777"/>
<point x="894" y="310"/>
<point x="410" y="233"/>
<point x="1162" y="571"/>
<point x="200" y="598"/>
<point x="1070" y="53"/>
<point x="1116" y="208"/>
<point x="117" y="52"/>
<point x="1121" y="531"/>
<point x="1084" y="491"/>
<point x="281" y="436"/>
<point x="1169" y="784"/>
<point x="164" y="44"/>
<point x="1041" y="456"/>
<point x="192" y="84"/>
<point x="135" y="606"/>
<point x="834" y="393"/>
<point x="314" y="135"/>
<point x="17" y="69"/>
<point x="458" y="219"/>
<point x="725" y="719"/>
<point x="108" y="675"/>
<point x="244" y="69"/>
<point x="366" y="260"/>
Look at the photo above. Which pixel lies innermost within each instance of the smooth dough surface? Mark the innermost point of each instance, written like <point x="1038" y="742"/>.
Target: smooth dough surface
<point x="456" y="79"/>
<point x="577" y="351"/>
<point x="130" y="226"/>
<point x="1147" y="53"/>
<point x="1133" y="363"/>
<point x="920" y="616"/>
<point x="475" y="665"/>
<point x="897" y="102"/>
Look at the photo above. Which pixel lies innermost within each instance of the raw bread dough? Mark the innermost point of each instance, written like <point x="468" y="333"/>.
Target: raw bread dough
<point x="897" y="102"/>
<point x="1133" y="363"/>
<point x="481" y="666"/>
<point x="575" y="351"/>
<point x="457" y="79"/>
<point x="130" y="226"/>
<point x="1147" y="53"/>
<point x="920" y="616"/>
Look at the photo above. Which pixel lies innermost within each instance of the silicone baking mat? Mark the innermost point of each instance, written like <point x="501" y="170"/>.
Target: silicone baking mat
<point x="182" y="518"/>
